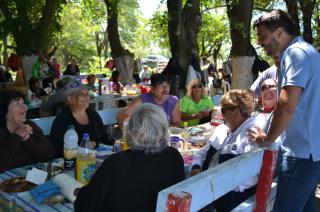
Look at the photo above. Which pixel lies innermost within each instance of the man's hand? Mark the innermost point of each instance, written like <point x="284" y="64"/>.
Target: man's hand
<point x="257" y="135"/>
<point x="194" y="172"/>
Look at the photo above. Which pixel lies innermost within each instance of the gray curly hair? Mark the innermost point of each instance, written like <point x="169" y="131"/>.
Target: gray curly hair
<point x="148" y="129"/>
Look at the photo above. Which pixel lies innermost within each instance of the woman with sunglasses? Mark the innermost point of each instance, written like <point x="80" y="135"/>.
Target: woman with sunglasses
<point x="84" y="119"/>
<point x="228" y="141"/>
<point x="269" y="97"/>
<point x="196" y="105"/>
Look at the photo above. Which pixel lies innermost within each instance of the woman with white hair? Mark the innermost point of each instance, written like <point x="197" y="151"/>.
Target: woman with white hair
<point x="130" y="180"/>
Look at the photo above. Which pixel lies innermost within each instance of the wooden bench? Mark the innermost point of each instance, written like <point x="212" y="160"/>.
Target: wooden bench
<point x="108" y="117"/>
<point x="198" y="191"/>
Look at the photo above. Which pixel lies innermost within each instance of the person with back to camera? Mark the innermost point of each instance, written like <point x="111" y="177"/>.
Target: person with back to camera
<point x="158" y="95"/>
<point x="130" y="180"/>
<point x="296" y="115"/>
<point x="228" y="141"/>
<point x="195" y="105"/>
<point x="83" y="118"/>
<point x="72" y="68"/>
<point x="21" y="142"/>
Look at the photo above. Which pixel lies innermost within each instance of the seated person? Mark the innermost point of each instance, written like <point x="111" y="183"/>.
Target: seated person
<point x="83" y="118"/>
<point x="130" y="180"/>
<point x="91" y="78"/>
<point x="228" y="141"/>
<point x="35" y="88"/>
<point x="269" y="96"/>
<point x="158" y="95"/>
<point x="72" y="68"/>
<point x="115" y="84"/>
<point x="195" y="105"/>
<point x="57" y="101"/>
<point x="21" y="142"/>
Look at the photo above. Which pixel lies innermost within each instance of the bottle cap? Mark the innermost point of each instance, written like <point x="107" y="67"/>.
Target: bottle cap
<point x="85" y="135"/>
<point x="70" y="126"/>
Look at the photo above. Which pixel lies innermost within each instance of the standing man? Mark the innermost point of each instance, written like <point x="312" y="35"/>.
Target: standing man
<point x="297" y="112"/>
<point x="144" y="75"/>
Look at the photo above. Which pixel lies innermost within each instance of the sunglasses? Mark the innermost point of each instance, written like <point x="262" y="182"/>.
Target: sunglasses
<point x="196" y="86"/>
<point x="224" y="110"/>
<point x="265" y="87"/>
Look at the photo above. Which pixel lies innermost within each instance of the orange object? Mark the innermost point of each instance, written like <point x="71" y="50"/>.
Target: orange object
<point x="179" y="202"/>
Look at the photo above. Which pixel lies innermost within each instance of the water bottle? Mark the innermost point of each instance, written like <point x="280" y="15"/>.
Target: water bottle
<point x="185" y="135"/>
<point x="86" y="161"/>
<point x="70" y="148"/>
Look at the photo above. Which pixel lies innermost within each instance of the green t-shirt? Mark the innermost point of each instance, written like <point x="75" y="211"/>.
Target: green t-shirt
<point x="188" y="106"/>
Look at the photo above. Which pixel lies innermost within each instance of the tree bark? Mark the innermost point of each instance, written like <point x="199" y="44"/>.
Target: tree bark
<point x="242" y="52"/>
<point x="184" y="25"/>
<point x="124" y="59"/>
<point x="307" y="7"/>
<point x="292" y="7"/>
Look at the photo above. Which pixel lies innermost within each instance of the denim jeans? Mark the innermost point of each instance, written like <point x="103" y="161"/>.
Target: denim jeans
<point x="297" y="182"/>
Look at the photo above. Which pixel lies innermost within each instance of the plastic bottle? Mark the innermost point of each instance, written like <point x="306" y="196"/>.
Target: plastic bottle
<point x="124" y="145"/>
<point x="185" y="136"/>
<point x="86" y="161"/>
<point x="216" y="117"/>
<point x="70" y="148"/>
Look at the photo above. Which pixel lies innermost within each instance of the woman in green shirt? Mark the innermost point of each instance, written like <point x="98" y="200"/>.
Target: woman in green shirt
<point x="196" y="105"/>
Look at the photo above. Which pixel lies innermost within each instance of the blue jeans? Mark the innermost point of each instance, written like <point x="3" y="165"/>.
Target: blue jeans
<point x="297" y="182"/>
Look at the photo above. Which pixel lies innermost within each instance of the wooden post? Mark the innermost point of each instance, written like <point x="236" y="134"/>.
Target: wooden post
<point x="265" y="179"/>
<point x="178" y="202"/>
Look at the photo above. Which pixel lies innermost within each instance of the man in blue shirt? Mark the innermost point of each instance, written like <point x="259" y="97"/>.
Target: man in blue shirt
<point x="297" y="112"/>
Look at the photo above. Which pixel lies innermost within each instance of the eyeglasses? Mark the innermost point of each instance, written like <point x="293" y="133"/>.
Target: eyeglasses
<point x="224" y="110"/>
<point x="265" y="87"/>
<point x="196" y="86"/>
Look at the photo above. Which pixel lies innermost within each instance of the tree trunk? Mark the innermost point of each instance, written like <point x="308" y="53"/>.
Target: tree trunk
<point x="293" y="12"/>
<point x="183" y="25"/>
<point x="307" y="7"/>
<point x="242" y="53"/>
<point x="124" y="60"/>
<point x="27" y="64"/>
<point x="5" y="50"/>
<point x="99" y="48"/>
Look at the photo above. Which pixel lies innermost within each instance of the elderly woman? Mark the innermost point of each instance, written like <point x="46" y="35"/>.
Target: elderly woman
<point x="21" y="141"/>
<point x="130" y="180"/>
<point x="228" y="141"/>
<point x="159" y="95"/>
<point x="269" y="97"/>
<point x="196" y="105"/>
<point x="83" y="118"/>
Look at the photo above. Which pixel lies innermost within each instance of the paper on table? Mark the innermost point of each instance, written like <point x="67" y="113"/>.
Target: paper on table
<point x="67" y="185"/>
<point x="36" y="176"/>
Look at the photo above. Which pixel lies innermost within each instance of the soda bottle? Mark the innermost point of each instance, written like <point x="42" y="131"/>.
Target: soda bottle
<point x="216" y="117"/>
<point x="70" y="148"/>
<point x="86" y="161"/>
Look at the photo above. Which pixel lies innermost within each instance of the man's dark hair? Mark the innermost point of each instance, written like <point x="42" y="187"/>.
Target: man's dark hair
<point x="274" y="20"/>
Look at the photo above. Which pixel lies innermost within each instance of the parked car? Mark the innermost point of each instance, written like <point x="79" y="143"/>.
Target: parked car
<point x="155" y="61"/>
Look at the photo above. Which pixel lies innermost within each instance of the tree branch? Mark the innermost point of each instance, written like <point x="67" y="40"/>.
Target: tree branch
<point x="6" y="13"/>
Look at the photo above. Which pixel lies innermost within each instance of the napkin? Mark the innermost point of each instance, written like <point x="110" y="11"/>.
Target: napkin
<point x="44" y="191"/>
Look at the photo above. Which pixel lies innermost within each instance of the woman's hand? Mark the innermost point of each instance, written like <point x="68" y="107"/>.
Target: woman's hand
<point x="24" y="131"/>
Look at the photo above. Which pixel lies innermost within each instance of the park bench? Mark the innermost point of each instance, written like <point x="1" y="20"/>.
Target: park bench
<point x="108" y="117"/>
<point x="198" y="191"/>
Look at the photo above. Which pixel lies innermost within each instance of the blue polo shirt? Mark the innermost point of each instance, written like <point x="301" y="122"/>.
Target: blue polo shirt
<point x="300" y="66"/>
